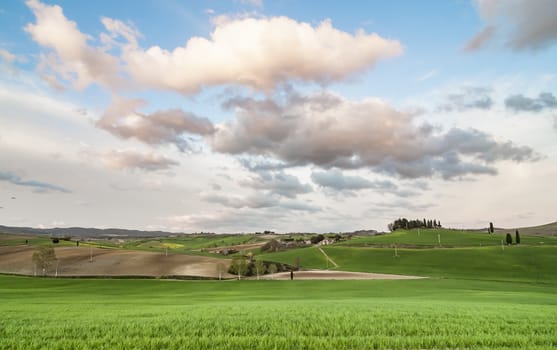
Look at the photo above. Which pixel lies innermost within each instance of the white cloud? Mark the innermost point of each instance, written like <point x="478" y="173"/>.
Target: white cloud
<point x="71" y="59"/>
<point x="260" y="53"/>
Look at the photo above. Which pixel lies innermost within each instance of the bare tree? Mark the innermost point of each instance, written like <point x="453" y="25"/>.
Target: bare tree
<point x="259" y="267"/>
<point x="43" y="258"/>
<point x="239" y="266"/>
<point x="272" y="269"/>
<point x="220" y="270"/>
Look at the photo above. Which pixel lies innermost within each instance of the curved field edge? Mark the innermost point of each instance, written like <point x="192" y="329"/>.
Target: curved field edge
<point x="149" y="314"/>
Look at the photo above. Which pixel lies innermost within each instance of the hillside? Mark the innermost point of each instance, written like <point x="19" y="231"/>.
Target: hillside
<point x="83" y="232"/>
<point x="543" y="230"/>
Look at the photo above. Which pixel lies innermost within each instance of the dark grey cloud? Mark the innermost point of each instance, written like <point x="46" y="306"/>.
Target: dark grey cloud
<point x="38" y="186"/>
<point x="172" y="126"/>
<point x="128" y="159"/>
<point x="329" y="131"/>
<point x="278" y="183"/>
<point x="468" y="98"/>
<point x="521" y="103"/>
<point x="522" y="24"/>
<point x="259" y="165"/>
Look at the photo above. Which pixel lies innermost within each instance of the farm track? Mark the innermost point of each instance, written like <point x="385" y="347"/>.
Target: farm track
<point x="335" y="265"/>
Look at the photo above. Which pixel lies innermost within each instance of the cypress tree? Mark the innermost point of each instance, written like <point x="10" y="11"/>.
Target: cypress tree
<point x="490" y="227"/>
<point x="509" y="239"/>
<point x="517" y="237"/>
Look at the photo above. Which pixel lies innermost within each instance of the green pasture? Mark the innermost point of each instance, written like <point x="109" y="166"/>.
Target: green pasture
<point x="153" y="314"/>
<point x="444" y="238"/>
<point x="512" y="263"/>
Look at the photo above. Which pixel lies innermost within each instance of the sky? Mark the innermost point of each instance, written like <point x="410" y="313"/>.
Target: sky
<point x="251" y="115"/>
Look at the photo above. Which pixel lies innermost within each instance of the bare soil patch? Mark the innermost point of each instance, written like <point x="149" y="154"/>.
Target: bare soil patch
<point x="337" y="275"/>
<point x="75" y="261"/>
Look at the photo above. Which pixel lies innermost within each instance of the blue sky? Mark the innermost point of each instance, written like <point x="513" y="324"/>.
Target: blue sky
<point x="245" y="115"/>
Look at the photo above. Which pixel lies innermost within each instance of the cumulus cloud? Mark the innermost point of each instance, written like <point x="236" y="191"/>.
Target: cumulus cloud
<point x="524" y="24"/>
<point x="38" y="186"/>
<point x="520" y="103"/>
<point x="71" y="58"/>
<point x="257" y="52"/>
<point x="468" y="98"/>
<point x="278" y="183"/>
<point x="123" y="119"/>
<point x="327" y="130"/>
<point x="260" y="53"/>
<point x="128" y="159"/>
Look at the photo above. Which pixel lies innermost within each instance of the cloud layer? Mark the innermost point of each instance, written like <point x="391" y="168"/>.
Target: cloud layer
<point x="329" y="131"/>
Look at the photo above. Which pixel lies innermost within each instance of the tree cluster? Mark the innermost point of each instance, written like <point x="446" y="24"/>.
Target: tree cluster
<point x="243" y="267"/>
<point x="405" y="224"/>
<point x="317" y="239"/>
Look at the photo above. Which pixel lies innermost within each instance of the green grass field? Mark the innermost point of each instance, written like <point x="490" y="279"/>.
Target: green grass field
<point x="477" y="297"/>
<point x="151" y="314"/>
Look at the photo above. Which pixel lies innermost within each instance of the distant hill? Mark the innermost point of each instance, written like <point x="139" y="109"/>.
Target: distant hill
<point x="542" y="230"/>
<point x="84" y="232"/>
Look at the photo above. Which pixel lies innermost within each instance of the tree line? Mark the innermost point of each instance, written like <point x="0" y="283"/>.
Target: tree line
<point x="405" y="224"/>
